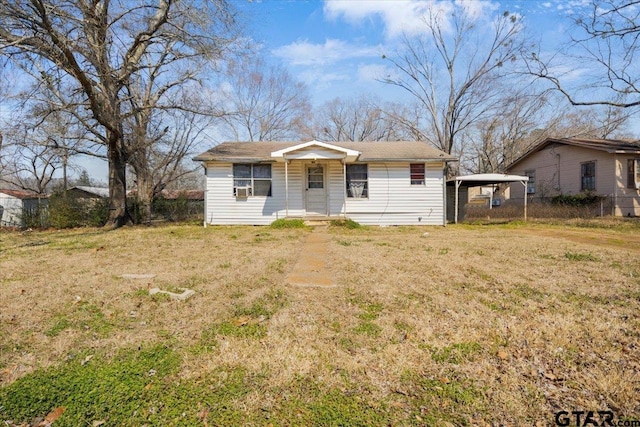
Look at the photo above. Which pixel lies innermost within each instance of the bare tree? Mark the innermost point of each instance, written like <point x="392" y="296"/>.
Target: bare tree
<point x="99" y="47"/>
<point x="29" y="160"/>
<point x="263" y="103"/>
<point x="158" y="160"/>
<point x="361" y="119"/>
<point x="606" y="40"/>
<point x="524" y="122"/>
<point x="452" y="69"/>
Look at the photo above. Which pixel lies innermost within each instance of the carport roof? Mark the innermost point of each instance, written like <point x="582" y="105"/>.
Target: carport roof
<point x="481" y="179"/>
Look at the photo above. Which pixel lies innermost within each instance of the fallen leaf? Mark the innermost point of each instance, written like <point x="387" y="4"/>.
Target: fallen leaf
<point x="148" y="386"/>
<point x="86" y="359"/>
<point x="241" y="321"/>
<point x="444" y="380"/>
<point x="503" y="355"/>
<point x="98" y="423"/>
<point x="52" y="416"/>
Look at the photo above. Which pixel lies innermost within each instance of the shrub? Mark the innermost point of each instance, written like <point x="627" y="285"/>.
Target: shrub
<point x="288" y="223"/>
<point x="70" y="212"/>
<point x="580" y="199"/>
<point x="346" y="223"/>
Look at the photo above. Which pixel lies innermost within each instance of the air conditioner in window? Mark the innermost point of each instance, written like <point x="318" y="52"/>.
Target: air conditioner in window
<point x="243" y="192"/>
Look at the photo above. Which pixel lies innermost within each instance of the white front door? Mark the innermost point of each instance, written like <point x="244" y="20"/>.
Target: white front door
<point x="316" y="192"/>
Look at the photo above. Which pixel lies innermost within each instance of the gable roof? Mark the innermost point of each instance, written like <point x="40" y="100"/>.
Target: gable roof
<point x="391" y="151"/>
<point x="22" y="194"/>
<point x="102" y="192"/>
<point x="613" y="146"/>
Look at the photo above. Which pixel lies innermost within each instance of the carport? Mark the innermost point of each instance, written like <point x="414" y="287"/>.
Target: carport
<point x="485" y="179"/>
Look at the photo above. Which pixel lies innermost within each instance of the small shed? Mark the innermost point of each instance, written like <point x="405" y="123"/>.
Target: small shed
<point x="15" y="205"/>
<point x="86" y="192"/>
<point x="486" y="179"/>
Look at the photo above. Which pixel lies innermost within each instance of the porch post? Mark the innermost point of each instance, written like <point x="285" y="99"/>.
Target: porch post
<point x="525" y="199"/>
<point x="286" y="187"/>
<point x="344" y="186"/>
<point x="455" y="219"/>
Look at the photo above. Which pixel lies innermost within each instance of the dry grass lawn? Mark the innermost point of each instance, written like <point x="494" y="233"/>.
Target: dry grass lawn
<point x="468" y="325"/>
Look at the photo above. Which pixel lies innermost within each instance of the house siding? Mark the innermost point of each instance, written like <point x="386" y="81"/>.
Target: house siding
<point x="626" y="200"/>
<point x="392" y="200"/>
<point x="558" y="171"/>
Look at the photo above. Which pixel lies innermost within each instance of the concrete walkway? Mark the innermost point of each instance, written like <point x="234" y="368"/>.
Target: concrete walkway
<point x="312" y="268"/>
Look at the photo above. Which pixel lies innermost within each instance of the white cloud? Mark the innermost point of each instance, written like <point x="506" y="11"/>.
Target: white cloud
<point x="403" y="16"/>
<point x="332" y="51"/>
<point x="374" y="72"/>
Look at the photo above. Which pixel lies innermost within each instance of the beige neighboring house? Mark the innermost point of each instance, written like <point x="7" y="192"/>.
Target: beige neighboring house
<point x="572" y="165"/>
<point x="376" y="183"/>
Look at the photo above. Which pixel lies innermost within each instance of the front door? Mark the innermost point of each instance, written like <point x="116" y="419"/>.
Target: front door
<point x="316" y="190"/>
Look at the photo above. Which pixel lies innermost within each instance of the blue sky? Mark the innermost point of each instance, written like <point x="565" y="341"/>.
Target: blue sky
<point x="336" y="46"/>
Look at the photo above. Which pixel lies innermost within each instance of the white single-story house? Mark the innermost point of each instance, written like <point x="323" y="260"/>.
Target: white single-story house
<point x="15" y="204"/>
<point x="376" y="183"/>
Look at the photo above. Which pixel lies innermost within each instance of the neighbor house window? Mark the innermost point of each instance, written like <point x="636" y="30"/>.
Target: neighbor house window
<point x="254" y="177"/>
<point x="417" y="173"/>
<point x="531" y="184"/>
<point x="357" y="181"/>
<point x="588" y="176"/>
<point x="633" y="173"/>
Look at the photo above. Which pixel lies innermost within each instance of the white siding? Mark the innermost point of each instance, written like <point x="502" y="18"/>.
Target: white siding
<point x="10" y="211"/>
<point x="392" y="200"/>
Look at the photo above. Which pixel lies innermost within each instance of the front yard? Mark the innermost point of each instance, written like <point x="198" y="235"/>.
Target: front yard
<point x="463" y="325"/>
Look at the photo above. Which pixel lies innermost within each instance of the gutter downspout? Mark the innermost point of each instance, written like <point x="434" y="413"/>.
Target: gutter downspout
<point x="286" y="187"/>
<point x="344" y="187"/>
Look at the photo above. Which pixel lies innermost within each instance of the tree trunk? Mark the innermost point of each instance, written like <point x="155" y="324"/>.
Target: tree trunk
<point x="144" y="194"/>
<point x="118" y="213"/>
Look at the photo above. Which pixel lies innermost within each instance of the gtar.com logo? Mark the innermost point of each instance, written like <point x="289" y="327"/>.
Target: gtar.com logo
<point x="591" y="418"/>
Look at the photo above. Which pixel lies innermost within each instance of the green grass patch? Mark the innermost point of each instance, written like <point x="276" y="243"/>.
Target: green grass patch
<point x="368" y="329"/>
<point x="136" y="387"/>
<point x="371" y="311"/>
<point x="249" y="330"/>
<point x="580" y="256"/>
<point x="314" y="404"/>
<point x="437" y="400"/>
<point x="288" y="223"/>
<point x="61" y="323"/>
<point x="456" y="353"/>
<point x="265" y="306"/>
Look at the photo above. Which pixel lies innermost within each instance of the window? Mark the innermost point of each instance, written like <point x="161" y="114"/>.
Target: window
<point x="588" y="176"/>
<point x="417" y="173"/>
<point x="255" y="177"/>
<point x="315" y="176"/>
<point x="357" y="181"/>
<point x="633" y="173"/>
<point x="531" y="184"/>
